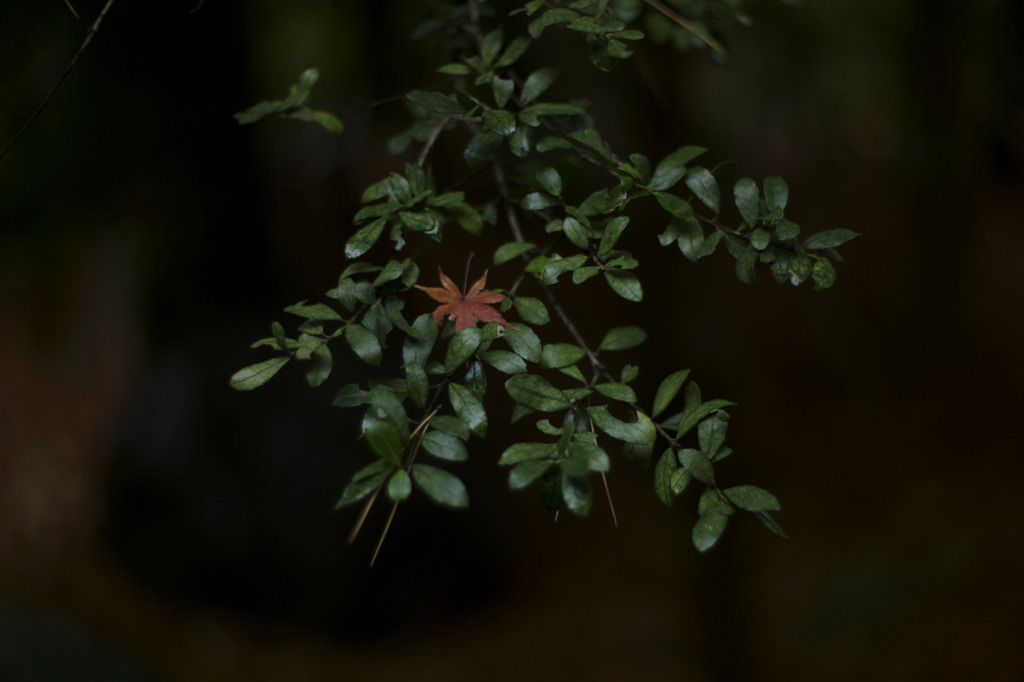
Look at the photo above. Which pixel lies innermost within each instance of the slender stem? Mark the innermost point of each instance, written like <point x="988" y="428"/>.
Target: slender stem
<point x="74" y="60"/>
<point x="688" y="25"/>
<point x="384" y="533"/>
<point x="431" y="141"/>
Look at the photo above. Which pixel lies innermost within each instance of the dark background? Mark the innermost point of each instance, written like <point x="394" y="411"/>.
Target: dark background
<point x="155" y="525"/>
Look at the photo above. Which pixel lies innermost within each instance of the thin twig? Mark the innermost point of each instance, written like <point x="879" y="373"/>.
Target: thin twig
<point x="73" y="12"/>
<point x="688" y="25"/>
<point x="74" y="60"/>
<point x="384" y="534"/>
<point x="431" y="141"/>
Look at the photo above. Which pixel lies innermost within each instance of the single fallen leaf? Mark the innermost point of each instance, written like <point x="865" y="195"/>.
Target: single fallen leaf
<point x="465" y="308"/>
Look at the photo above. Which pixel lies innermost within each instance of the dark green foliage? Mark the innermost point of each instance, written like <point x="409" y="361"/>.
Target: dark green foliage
<point x="435" y="388"/>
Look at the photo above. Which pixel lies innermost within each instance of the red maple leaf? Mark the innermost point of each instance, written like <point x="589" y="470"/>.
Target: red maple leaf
<point x="465" y="308"/>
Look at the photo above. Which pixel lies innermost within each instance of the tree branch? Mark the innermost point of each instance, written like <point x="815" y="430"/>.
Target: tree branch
<point x="74" y="60"/>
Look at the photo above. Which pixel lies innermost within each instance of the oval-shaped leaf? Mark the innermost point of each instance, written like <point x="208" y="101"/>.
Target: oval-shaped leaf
<point x="752" y="499"/>
<point x="461" y="348"/>
<point x="617" y="392"/>
<point x="697" y="464"/>
<point x="386" y="441"/>
<point x="641" y="432"/>
<point x="523" y="452"/>
<point x="442" y="487"/>
<point x="663" y="473"/>
<point x="525" y="473"/>
<point x="400" y="486"/>
<point x="625" y="284"/>
<point x="623" y="338"/>
<point x="504" y="361"/>
<point x="667" y="391"/>
<point x="829" y="239"/>
<point x="364" y="239"/>
<point x="536" y="83"/>
<point x="256" y="375"/>
<point x="708" y="530"/>
<point x="556" y="355"/>
<point x="364" y="343"/>
<point x="532" y="310"/>
<point x="703" y="184"/>
<point x="536" y="393"/>
<point x="748" y="200"/>
<point x="524" y="342"/>
<point x="444" y="446"/>
<point x="469" y="408"/>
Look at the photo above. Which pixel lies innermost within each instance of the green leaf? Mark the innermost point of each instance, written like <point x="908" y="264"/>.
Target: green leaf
<point x="532" y="310"/>
<point x="386" y="441"/>
<point x="748" y="200"/>
<point x="557" y="355"/>
<point x="697" y="464"/>
<point x="521" y="141"/>
<point x="438" y="103"/>
<point x="504" y="361"/>
<point x="256" y="375"/>
<point x="703" y="184"/>
<point x="549" y="489"/>
<point x="538" y="201"/>
<point x="502" y="89"/>
<point x="386" y="406"/>
<point x="500" y="121"/>
<point x="451" y="425"/>
<point x="708" y="530"/>
<point x="823" y="274"/>
<point x="612" y="231"/>
<point x="578" y="494"/>
<point x="550" y="180"/>
<point x="765" y="519"/>
<point x="364" y="239"/>
<point x="745" y="263"/>
<point x="525" y="473"/>
<point x="711" y="434"/>
<point x="469" y="408"/>
<point x="536" y="393"/>
<point x="829" y="239"/>
<point x="455" y="69"/>
<point x="673" y="167"/>
<point x="350" y="395"/>
<point x="625" y="284"/>
<point x="461" y="348"/>
<point x="580" y="275"/>
<point x="364" y="343"/>
<point x="691" y="416"/>
<point x="364" y="482"/>
<point x="617" y="392"/>
<point x="664" y="470"/>
<point x="524" y="342"/>
<point x="417" y="347"/>
<point x="491" y="45"/>
<point x="523" y="452"/>
<point x="417" y="383"/>
<point x="677" y="206"/>
<point x="317" y="311"/>
<point x="513" y="52"/>
<point x="751" y="498"/>
<point x="680" y="480"/>
<point x="786" y="229"/>
<point x="668" y="390"/>
<point x="576" y="232"/>
<point x="590" y="138"/>
<point x="507" y="252"/>
<point x="320" y="362"/>
<point x="442" y="487"/>
<point x="556" y="15"/>
<point x="623" y="338"/>
<point x="642" y="431"/>
<point x="400" y="486"/>
<point x="537" y="83"/>
<point x="444" y="446"/>
<point x="776" y="193"/>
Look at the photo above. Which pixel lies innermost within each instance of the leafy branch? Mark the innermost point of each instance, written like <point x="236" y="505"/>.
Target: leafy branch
<point x="434" y="386"/>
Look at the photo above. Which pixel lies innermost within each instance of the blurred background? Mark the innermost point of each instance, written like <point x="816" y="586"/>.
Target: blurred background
<point x="155" y="525"/>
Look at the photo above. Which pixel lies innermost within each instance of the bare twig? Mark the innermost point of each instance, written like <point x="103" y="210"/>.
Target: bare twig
<point x="73" y="12"/>
<point x="688" y="25"/>
<point x="431" y="141"/>
<point x="74" y="60"/>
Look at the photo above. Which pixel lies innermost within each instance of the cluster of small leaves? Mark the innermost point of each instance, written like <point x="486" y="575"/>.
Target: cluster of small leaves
<point x="433" y="393"/>
<point x="294" y="106"/>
